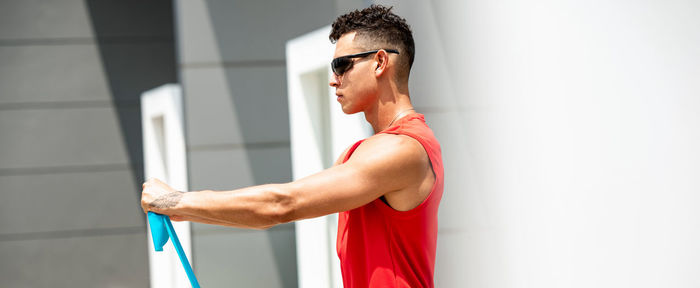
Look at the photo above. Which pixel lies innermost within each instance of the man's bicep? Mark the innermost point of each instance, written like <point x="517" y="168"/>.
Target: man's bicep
<point x="372" y="172"/>
<point x="339" y="188"/>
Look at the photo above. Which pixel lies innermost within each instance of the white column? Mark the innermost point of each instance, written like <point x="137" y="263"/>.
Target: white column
<point x="320" y="132"/>
<point x="165" y="159"/>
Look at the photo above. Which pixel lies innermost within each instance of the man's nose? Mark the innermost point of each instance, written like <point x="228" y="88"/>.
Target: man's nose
<point x="335" y="81"/>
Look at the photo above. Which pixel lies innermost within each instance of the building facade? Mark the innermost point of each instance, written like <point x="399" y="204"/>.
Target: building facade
<point x="569" y="130"/>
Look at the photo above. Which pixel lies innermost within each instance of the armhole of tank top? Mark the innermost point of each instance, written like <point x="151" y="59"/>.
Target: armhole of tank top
<point x="409" y="213"/>
<point x="352" y="149"/>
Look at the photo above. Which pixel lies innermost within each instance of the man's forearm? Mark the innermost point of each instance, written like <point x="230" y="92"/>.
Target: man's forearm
<point x="213" y="222"/>
<point x="253" y="207"/>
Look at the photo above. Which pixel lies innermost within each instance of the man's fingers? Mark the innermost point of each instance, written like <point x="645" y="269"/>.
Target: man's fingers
<point x="149" y="181"/>
<point x="144" y="206"/>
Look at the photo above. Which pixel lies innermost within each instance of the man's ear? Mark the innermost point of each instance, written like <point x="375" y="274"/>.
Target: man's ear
<point x="381" y="62"/>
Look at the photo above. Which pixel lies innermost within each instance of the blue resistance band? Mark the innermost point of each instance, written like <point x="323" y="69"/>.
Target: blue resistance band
<point x="162" y="230"/>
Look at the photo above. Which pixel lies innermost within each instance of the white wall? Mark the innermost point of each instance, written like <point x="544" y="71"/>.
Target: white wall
<point x="570" y="132"/>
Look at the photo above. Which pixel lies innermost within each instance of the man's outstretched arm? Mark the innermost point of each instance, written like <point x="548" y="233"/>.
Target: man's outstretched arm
<point x="381" y="165"/>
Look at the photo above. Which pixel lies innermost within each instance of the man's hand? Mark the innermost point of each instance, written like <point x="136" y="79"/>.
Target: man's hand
<point x="159" y="197"/>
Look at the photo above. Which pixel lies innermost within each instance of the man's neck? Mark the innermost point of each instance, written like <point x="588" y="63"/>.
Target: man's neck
<point x="390" y="107"/>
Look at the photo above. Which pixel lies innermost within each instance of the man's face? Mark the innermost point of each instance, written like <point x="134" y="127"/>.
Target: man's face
<point x="356" y="88"/>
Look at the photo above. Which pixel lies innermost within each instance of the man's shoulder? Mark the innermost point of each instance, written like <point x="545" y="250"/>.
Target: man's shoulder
<point x="396" y="148"/>
<point x="388" y="139"/>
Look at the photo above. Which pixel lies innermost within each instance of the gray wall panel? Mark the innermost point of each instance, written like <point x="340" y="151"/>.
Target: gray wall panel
<point x="59" y="137"/>
<point x="83" y="72"/>
<point x="74" y="201"/>
<point x="136" y="20"/>
<point x="246" y="259"/>
<point x="133" y="68"/>
<point x="99" y="261"/>
<point x="345" y="6"/>
<point x="22" y="67"/>
<point x="214" y="31"/>
<point x="231" y="168"/>
<point x="72" y="19"/>
<point x="195" y="37"/>
<point x="236" y="105"/>
<point x="50" y="19"/>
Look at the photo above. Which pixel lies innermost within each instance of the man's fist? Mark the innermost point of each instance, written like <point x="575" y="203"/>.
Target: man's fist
<point x="158" y="196"/>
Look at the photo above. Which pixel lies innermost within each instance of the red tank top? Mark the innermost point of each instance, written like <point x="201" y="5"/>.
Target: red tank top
<point x="382" y="247"/>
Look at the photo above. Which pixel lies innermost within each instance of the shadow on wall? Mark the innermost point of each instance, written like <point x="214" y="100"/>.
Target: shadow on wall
<point x="136" y="44"/>
<point x="253" y="52"/>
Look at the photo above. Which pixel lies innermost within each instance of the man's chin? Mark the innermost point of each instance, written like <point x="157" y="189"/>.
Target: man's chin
<point x="349" y="110"/>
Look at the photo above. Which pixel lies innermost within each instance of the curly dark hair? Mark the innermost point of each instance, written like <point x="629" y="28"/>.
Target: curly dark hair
<point x="379" y="28"/>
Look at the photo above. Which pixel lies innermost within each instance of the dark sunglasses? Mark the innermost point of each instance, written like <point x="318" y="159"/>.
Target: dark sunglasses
<point x="343" y="63"/>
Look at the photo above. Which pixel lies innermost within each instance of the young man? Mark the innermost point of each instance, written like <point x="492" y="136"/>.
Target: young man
<point x="387" y="188"/>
